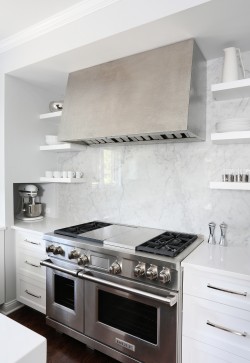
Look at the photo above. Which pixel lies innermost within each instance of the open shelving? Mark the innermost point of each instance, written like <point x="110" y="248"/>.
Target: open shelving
<point x="62" y="147"/>
<point x="50" y="115"/>
<point x="62" y="180"/>
<point x="230" y="186"/>
<point x="229" y="90"/>
<point x="232" y="137"/>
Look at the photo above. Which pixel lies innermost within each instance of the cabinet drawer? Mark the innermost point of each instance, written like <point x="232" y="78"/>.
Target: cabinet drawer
<point x="28" y="263"/>
<point x="31" y="241"/>
<point x="198" y="316"/>
<point x="197" y="352"/>
<point x="32" y="293"/>
<point x="217" y="287"/>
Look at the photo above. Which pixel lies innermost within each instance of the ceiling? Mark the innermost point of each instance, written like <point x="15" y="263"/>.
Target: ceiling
<point x="16" y="16"/>
<point x="215" y="25"/>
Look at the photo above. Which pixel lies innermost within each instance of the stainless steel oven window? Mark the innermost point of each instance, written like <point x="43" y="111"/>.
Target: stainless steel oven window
<point x="129" y="316"/>
<point x="64" y="291"/>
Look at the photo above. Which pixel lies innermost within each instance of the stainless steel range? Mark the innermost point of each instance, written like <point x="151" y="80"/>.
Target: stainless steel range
<point x="118" y="288"/>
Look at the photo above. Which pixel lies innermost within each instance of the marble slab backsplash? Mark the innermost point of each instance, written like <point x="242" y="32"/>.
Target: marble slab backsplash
<point x="164" y="185"/>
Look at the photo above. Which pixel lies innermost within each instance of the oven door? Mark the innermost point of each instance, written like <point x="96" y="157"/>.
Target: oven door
<point x="64" y="294"/>
<point x="135" y="323"/>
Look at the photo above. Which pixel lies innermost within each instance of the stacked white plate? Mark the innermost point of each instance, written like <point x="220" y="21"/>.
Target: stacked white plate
<point x="233" y="124"/>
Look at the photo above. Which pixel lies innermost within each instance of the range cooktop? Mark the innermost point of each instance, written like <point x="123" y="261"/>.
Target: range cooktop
<point x="155" y="241"/>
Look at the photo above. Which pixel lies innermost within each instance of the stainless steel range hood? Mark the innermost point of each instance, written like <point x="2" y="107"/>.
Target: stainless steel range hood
<point x="154" y="96"/>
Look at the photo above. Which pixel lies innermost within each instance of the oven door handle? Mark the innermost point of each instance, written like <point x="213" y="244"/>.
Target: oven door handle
<point x="50" y="264"/>
<point x="170" y="300"/>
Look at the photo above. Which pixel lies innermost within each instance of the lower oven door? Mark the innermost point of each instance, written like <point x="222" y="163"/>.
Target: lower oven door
<point x="64" y="294"/>
<point x="138" y="326"/>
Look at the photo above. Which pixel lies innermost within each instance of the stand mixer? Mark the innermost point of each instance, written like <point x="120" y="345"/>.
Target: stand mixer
<point x="30" y="210"/>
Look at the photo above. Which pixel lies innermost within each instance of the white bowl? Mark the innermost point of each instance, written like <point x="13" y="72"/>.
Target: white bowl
<point x="51" y="139"/>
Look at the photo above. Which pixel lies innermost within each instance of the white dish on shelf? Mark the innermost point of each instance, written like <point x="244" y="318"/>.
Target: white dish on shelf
<point x="52" y="140"/>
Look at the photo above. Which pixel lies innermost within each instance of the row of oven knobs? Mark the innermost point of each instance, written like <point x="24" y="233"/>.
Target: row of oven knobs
<point x="152" y="272"/>
<point x="140" y="270"/>
<point x="74" y="254"/>
<point x="81" y="259"/>
<point x="55" y="250"/>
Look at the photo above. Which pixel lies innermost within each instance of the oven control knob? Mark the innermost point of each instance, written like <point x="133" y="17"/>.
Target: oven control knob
<point x="140" y="269"/>
<point x="164" y="275"/>
<point x="152" y="272"/>
<point x="83" y="260"/>
<point x="73" y="254"/>
<point x="58" y="251"/>
<point x="115" y="268"/>
<point x="50" y="248"/>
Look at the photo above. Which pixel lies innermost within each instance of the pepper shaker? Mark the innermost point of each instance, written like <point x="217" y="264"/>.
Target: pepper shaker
<point x="211" y="238"/>
<point x="223" y="228"/>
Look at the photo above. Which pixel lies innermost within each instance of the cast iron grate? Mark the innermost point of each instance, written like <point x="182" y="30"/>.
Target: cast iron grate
<point x="74" y="231"/>
<point x="167" y="243"/>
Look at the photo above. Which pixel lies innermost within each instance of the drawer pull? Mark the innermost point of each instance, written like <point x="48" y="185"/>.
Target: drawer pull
<point x="32" y="264"/>
<point x="33" y="243"/>
<point x="30" y="293"/>
<point x="244" y="334"/>
<point x="225" y="290"/>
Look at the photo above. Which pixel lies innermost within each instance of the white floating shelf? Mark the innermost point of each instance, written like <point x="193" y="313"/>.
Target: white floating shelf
<point x="62" y="147"/>
<point x="232" y="137"/>
<point x="228" y="185"/>
<point x="61" y="180"/>
<point x="229" y="90"/>
<point x="51" y="115"/>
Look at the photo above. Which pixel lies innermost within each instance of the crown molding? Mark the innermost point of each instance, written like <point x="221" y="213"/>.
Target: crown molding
<point x="56" y="21"/>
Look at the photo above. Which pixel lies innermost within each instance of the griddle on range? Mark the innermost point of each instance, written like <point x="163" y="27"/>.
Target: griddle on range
<point x="167" y="244"/>
<point x="74" y="231"/>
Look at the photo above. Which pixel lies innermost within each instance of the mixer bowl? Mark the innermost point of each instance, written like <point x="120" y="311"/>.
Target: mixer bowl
<point x="33" y="210"/>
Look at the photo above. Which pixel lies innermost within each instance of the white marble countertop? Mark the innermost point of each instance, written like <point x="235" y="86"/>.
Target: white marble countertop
<point x="43" y="226"/>
<point x="19" y="344"/>
<point x="2" y="228"/>
<point x="233" y="260"/>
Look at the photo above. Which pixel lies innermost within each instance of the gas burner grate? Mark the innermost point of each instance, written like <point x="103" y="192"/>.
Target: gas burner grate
<point x="74" y="231"/>
<point x="167" y="244"/>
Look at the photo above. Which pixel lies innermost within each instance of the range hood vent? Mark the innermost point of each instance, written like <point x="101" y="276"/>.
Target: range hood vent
<point x="151" y="97"/>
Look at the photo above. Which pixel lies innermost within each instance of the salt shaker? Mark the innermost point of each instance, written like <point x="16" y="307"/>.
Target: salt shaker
<point x="211" y="238"/>
<point x="223" y="228"/>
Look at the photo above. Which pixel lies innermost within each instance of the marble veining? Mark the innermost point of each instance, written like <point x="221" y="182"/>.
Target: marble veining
<point x="164" y="185"/>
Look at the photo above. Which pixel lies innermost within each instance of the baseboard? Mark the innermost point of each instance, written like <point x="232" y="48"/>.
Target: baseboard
<point x="10" y="306"/>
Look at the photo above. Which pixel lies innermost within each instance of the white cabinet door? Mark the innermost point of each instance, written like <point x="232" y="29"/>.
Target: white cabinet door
<point x="217" y="287"/>
<point x="218" y="325"/>
<point x="30" y="275"/>
<point x="2" y="293"/>
<point x="194" y="351"/>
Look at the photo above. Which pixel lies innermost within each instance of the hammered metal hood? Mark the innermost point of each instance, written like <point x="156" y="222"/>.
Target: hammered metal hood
<point x="155" y="96"/>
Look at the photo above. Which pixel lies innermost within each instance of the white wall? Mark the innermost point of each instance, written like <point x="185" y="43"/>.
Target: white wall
<point x="24" y="163"/>
<point x="165" y="185"/>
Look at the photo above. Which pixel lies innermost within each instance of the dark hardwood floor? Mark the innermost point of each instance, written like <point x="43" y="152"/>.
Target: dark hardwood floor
<point x="61" y="348"/>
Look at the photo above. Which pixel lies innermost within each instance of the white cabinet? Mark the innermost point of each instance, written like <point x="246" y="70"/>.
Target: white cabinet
<point x="216" y="317"/>
<point x="30" y="275"/>
<point x="195" y="351"/>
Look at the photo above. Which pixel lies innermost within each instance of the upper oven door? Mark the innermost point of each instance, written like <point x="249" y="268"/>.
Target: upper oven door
<point x="138" y="326"/>
<point x="64" y="294"/>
